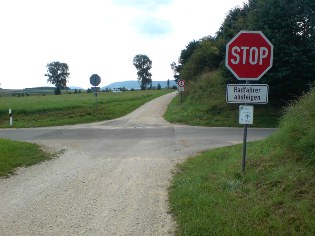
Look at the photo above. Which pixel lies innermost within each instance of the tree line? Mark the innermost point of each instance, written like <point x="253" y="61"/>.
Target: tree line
<point x="289" y="25"/>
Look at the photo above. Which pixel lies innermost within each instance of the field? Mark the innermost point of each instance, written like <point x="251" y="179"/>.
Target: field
<point x="67" y="109"/>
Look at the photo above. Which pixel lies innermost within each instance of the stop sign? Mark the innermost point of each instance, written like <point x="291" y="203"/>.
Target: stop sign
<point x="249" y="55"/>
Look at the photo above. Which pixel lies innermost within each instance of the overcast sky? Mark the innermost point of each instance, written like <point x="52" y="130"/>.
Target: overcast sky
<point x="100" y="37"/>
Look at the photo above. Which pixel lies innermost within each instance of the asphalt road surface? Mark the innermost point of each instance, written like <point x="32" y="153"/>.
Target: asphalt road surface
<point x="112" y="178"/>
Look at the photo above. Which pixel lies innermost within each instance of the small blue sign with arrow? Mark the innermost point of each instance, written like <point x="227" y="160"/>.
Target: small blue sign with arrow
<point x="246" y="115"/>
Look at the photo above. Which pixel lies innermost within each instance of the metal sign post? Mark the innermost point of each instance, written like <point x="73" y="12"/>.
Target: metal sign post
<point x="95" y="80"/>
<point x="244" y="148"/>
<point x="246" y="115"/>
<point x="95" y="93"/>
<point x="181" y="84"/>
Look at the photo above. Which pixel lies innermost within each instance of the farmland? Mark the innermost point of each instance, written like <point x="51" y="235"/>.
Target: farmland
<point x="66" y="109"/>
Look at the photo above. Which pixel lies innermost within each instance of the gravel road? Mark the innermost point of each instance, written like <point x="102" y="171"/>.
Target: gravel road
<point x="112" y="178"/>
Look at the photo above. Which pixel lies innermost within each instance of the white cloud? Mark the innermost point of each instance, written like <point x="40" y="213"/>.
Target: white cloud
<point x="98" y="36"/>
<point x="143" y="4"/>
<point x="152" y="26"/>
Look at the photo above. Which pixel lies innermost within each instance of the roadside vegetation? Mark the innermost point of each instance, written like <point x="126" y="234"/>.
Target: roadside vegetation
<point x="209" y="195"/>
<point x="290" y="27"/>
<point x="68" y="109"/>
<point x="276" y="195"/>
<point x="15" y="154"/>
<point x="204" y="104"/>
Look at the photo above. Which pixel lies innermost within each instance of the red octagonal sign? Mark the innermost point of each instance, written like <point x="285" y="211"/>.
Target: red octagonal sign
<point x="249" y="55"/>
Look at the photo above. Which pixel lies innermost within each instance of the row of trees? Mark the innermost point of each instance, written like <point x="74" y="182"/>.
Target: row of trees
<point x="289" y="25"/>
<point x="58" y="72"/>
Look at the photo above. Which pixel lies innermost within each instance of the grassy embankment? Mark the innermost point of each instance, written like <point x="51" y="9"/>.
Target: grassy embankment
<point x="276" y="196"/>
<point x="35" y="111"/>
<point x="206" y="106"/>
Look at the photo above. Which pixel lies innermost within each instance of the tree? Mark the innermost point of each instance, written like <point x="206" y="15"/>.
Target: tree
<point x="143" y="64"/>
<point x="188" y="51"/>
<point x="57" y="74"/>
<point x="176" y="70"/>
<point x="204" y="58"/>
<point x="290" y="26"/>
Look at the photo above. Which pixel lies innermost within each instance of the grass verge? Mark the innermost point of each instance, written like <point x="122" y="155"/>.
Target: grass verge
<point x="15" y="154"/>
<point x="276" y="196"/>
<point x="209" y="196"/>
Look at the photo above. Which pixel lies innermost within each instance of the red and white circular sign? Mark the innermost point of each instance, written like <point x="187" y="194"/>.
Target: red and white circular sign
<point x="249" y="55"/>
<point x="181" y="83"/>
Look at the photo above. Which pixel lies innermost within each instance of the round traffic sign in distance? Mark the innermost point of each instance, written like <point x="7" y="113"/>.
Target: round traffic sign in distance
<point x="181" y="83"/>
<point x="95" y="80"/>
<point x="249" y="55"/>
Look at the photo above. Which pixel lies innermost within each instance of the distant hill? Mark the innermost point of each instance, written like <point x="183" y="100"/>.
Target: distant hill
<point x="133" y="84"/>
<point x="75" y="87"/>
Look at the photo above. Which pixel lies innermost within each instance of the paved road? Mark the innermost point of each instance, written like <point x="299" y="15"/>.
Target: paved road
<point x="112" y="178"/>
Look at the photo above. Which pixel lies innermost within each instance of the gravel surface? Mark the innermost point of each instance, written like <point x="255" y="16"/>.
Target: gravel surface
<point x="112" y="178"/>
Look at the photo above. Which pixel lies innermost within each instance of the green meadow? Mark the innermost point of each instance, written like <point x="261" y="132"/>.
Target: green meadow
<point x="68" y="109"/>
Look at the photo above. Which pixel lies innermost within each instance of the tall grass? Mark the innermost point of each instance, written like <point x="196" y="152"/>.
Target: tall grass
<point x="297" y="134"/>
<point x="276" y="196"/>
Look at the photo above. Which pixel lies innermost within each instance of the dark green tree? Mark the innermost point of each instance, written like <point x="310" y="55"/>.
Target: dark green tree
<point x="204" y="58"/>
<point x="58" y="74"/>
<point x="143" y="65"/>
<point x="188" y="52"/>
<point x="290" y="26"/>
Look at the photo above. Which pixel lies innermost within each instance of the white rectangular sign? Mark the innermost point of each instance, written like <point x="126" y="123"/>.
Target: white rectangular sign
<point x="246" y="115"/>
<point x="247" y="93"/>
